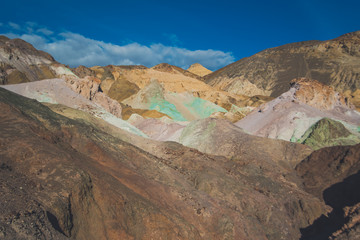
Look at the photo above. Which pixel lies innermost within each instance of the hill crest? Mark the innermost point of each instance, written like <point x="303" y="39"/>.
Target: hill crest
<point x="199" y="70"/>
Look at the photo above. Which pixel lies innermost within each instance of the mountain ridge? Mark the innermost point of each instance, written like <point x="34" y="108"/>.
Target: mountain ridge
<point x="332" y="62"/>
<point x="21" y="62"/>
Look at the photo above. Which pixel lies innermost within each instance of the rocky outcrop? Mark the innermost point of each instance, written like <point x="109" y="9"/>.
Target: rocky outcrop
<point x="199" y="70"/>
<point x="327" y="133"/>
<point x="291" y="114"/>
<point x="20" y="62"/>
<point x="89" y="88"/>
<point x="82" y="71"/>
<point x="333" y="63"/>
<point x="103" y="73"/>
<point x="123" y="82"/>
<point x="318" y="95"/>
<point x="165" y="67"/>
<point x="354" y="98"/>
<point x="121" y="89"/>
<point x="84" y="96"/>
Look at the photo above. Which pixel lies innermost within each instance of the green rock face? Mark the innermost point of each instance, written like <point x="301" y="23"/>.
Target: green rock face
<point x="203" y="108"/>
<point x="163" y="106"/>
<point x="327" y="132"/>
<point x="182" y="106"/>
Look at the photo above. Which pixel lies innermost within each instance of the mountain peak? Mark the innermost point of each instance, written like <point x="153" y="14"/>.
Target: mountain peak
<point x="165" y="67"/>
<point x="199" y="70"/>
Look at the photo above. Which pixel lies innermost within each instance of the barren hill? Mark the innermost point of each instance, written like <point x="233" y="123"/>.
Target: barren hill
<point x="333" y="62"/>
<point x="20" y="62"/>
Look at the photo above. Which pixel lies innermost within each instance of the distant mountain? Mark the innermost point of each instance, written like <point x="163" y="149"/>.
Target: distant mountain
<point x="124" y="82"/>
<point x="165" y="67"/>
<point x="199" y="70"/>
<point x="334" y="62"/>
<point x="20" y="62"/>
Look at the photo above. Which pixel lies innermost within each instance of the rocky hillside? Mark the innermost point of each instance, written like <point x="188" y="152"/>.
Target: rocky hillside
<point x="130" y="152"/>
<point x="75" y="180"/>
<point x="290" y="115"/>
<point x="333" y="62"/>
<point x="123" y="83"/>
<point x="20" y="62"/>
<point x="199" y="70"/>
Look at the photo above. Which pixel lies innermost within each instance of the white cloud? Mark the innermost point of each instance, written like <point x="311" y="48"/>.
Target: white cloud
<point x="74" y="49"/>
<point x="45" y="31"/>
<point x="36" y="40"/>
<point x="14" y="26"/>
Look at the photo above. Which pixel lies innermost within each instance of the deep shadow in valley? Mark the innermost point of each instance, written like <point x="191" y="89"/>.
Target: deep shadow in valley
<point x="338" y="196"/>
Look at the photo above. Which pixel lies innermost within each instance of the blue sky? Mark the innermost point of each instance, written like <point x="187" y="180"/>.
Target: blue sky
<point x="214" y="33"/>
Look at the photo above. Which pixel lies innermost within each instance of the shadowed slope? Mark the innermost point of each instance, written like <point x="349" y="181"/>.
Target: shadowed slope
<point x="333" y="174"/>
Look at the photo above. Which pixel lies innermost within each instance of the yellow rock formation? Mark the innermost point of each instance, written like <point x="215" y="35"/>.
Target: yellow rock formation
<point x="173" y="79"/>
<point x="199" y="70"/>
